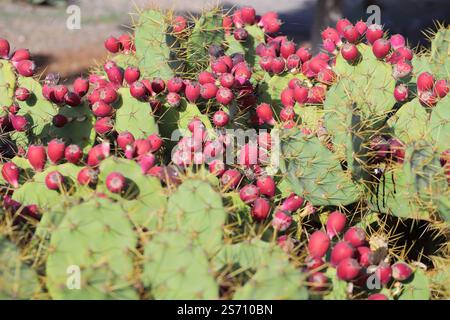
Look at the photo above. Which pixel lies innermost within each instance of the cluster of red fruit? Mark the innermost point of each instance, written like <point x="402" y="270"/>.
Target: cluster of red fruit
<point x="20" y="59"/>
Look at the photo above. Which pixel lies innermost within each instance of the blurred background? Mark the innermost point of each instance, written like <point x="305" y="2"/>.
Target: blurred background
<point x="40" y="25"/>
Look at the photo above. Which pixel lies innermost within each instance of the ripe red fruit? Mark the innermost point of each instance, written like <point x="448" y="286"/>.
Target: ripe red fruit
<point x="341" y="251"/>
<point x="224" y="96"/>
<point x="73" y="153"/>
<point x="115" y="182"/>
<point x="158" y="85"/>
<point x="381" y="48"/>
<point x="14" y="108"/>
<point x="54" y="180"/>
<point x="329" y="46"/>
<point x="326" y="76"/>
<point x="293" y="63"/>
<point x="26" y="68"/>
<point x="249" y="193"/>
<point x="281" y="221"/>
<point x="317" y="64"/>
<point x="351" y="34"/>
<point x="11" y="173"/>
<point x="101" y="109"/>
<point x="87" y="176"/>
<point x="58" y="94"/>
<point x="287" y="48"/>
<point x="22" y="94"/>
<point x="208" y="90"/>
<point x="425" y="81"/>
<point x="196" y="124"/>
<point x="264" y="114"/>
<point x="397" y="41"/>
<point x="138" y="90"/>
<point x="248" y="15"/>
<point x="355" y="236"/>
<point x="348" y="269"/>
<point x="361" y="26"/>
<point x="126" y="42"/>
<point x="271" y="25"/>
<point x="179" y="24"/>
<point x="143" y="146"/>
<point x="266" y="63"/>
<point x="260" y="209"/>
<point x="287" y="114"/>
<point x="318" y="281"/>
<point x="266" y="186"/>
<point x="287" y="97"/>
<point x="4" y="48"/>
<point x="206" y="77"/>
<point x="427" y="98"/>
<point x="349" y="52"/>
<point x="131" y="74"/>
<point x="240" y="34"/>
<point x="59" y="120"/>
<point x="278" y="65"/>
<point x="147" y="161"/>
<point x="173" y="99"/>
<point x="175" y="84"/>
<point x="401" y="271"/>
<point x="335" y="223"/>
<point x="365" y="256"/>
<point x="341" y="24"/>
<point x="227" y="24"/>
<point x="374" y="32"/>
<point x="316" y="94"/>
<point x="237" y="19"/>
<point x="301" y="94"/>
<point x="401" y="92"/>
<point x="403" y="53"/>
<point x="72" y="99"/>
<point x="377" y="296"/>
<point x="292" y="203"/>
<point x="115" y="75"/>
<point x="98" y="153"/>
<point x="37" y="157"/>
<point x="192" y="91"/>
<point x="103" y="125"/>
<point x="112" y="44"/>
<point x="106" y="94"/>
<point x="155" y="142"/>
<point x="124" y="139"/>
<point x="216" y="167"/>
<point x="318" y="244"/>
<point x="441" y="88"/>
<point x="55" y="150"/>
<point x="384" y="273"/>
<point x="304" y="53"/>
<point x="230" y="178"/>
<point x="220" y="118"/>
<point x="19" y="55"/>
<point x="226" y="80"/>
<point x="331" y="34"/>
<point x="397" y="150"/>
<point x="313" y="263"/>
<point x="402" y="69"/>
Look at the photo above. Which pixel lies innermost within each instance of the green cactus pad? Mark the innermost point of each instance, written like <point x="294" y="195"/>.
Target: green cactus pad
<point x="440" y="124"/>
<point x="153" y="45"/>
<point x="314" y="172"/>
<point x="144" y="199"/>
<point x="17" y="280"/>
<point x="176" y="267"/>
<point x="195" y="208"/>
<point x="134" y="116"/>
<point x="338" y="287"/>
<point x="124" y="60"/>
<point x="97" y="237"/>
<point x="7" y="83"/>
<point x="416" y="288"/>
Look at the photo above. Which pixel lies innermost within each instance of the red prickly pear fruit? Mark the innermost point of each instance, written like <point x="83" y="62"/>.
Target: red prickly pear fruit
<point x="87" y="176"/>
<point x="124" y="139"/>
<point x="19" y="55"/>
<point x="304" y="54"/>
<point x="397" y="150"/>
<point x="326" y="76"/>
<point x="147" y="161"/>
<point x="374" y="32"/>
<point x="401" y="271"/>
<point x="230" y="178"/>
<point x="384" y="273"/>
<point x="335" y="223"/>
<point x="266" y="63"/>
<point x="381" y="48"/>
<point x="260" y="209"/>
<point x="292" y="203"/>
<point x="155" y="142"/>
<point x="219" y="66"/>
<point x="4" y="48"/>
<point x="22" y="94"/>
<point x="331" y="34"/>
<point x="158" y="85"/>
<point x="126" y="42"/>
<point x="54" y="180"/>
<point x="59" y="120"/>
<point x="196" y="124"/>
<point x="72" y="99"/>
<point x="249" y="193"/>
<point x="316" y="95"/>
<point x="289" y="124"/>
<point x="179" y="24"/>
<point x="14" y="108"/>
<point x="212" y="150"/>
<point x="101" y="109"/>
<point x="365" y="256"/>
<point x="103" y="125"/>
<point x="11" y="173"/>
<point x="318" y="281"/>
<point x="142" y="146"/>
<point x="348" y="269"/>
<point x="37" y="157"/>
<point x="55" y="150"/>
<point x="175" y="84"/>
<point x="242" y="73"/>
<point x="131" y="74"/>
<point x="341" y="24"/>
<point x="206" y="77"/>
<point x="115" y="182"/>
<point x="427" y="98"/>
<point x="397" y="41"/>
<point x="240" y="34"/>
<point x="112" y="44"/>
<point x="98" y="153"/>
<point x="316" y="64"/>
<point x="361" y="26"/>
<point x="224" y="96"/>
<point x="248" y="15"/>
<point x="148" y="85"/>
<point x="425" y="81"/>
<point x="226" y="80"/>
<point x="399" y="54"/>
<point x="351" y="34"/>
<point x="402" y="69"/>
<point x="58" y="94"/>
<point x="441" y="88"/>
<point x="355" y="236"/>
<point x="138" y="90"/>
<point x="281" y="221"/>
<point x="115" y="75"/>
<point x="173" y="99"/>
<point x="401" y="92"/>
<point x="350" y="52"/>
<point x="220" y="119"/>
<point x="216" y="167"/>
<point x="73" y="153"/>
<point x="264" y="114"/>
<point x="192" y="91"/>
<point x="266" y="186"/>
<point x="287" y="48"/>
<point x="272" y="25"/>
<point x="377" y="296"/>
<point x="26" y="68"/>
<point x="227" y="24"/>
<point x="293" y="63"/>
<point x="318" y="244"/>
<point x="287" y="97"/>
<point x="341" y="251"/>
<point x="237" y="19"/>
<point x="313" y="263"/>
<point x="278" y="65"/>
<point x="329" y="45"/>
<point x="287" y="113"/>
<point x="129" y="152"/>
<point x="301" y="94"/>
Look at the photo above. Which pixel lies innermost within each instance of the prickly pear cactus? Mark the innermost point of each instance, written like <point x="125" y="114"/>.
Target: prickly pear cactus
<point x="7" y="83"/>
